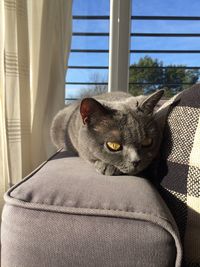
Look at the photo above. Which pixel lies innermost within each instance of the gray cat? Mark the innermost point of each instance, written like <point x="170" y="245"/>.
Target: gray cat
<point x="116" y="132"/>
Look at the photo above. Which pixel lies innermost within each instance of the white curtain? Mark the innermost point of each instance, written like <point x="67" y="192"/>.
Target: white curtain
<point x="35" y="40"/>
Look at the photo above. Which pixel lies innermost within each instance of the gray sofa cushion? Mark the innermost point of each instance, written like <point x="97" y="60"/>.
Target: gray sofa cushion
<point x="66" y="214"/>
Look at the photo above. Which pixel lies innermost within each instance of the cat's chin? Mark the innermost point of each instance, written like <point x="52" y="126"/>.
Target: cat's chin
<point x="132" y="172"/>
<point x="129" y="170"/>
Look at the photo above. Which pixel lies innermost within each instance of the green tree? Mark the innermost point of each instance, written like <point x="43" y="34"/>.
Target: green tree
<point x="154" y="76"/>
<point x="150" y="77"/>
<point x="179" y="79"/>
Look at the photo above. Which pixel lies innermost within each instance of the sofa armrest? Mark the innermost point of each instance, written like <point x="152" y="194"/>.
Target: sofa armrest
<point x="66" y="214"/>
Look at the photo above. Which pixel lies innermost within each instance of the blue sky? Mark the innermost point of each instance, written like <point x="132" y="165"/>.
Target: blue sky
<point x="139" y="7"/>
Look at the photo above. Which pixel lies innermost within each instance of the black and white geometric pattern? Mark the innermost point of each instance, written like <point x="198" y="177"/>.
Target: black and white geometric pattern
<point x="179" y="170"/>
<point x="182" y="132"/>
<point x="193" y="188"/>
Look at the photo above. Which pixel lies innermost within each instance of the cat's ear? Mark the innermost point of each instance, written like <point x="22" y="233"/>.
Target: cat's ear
<point x="147" y="106"/>
<point x="90" y="107"/>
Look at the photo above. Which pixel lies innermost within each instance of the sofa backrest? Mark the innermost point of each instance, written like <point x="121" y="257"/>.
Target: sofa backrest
<point x="179" y="169"/>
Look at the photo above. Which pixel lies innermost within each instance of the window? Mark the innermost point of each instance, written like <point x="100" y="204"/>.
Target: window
<point x="89" y="57"/>
<point x="162" y="39"/>
<point x="164" y="46"/>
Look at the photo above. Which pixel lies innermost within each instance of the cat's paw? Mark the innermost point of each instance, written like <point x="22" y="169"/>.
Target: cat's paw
<point x="106" y="169"/>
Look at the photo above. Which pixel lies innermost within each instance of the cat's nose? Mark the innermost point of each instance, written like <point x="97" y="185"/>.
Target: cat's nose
<point x="136" y="162"/>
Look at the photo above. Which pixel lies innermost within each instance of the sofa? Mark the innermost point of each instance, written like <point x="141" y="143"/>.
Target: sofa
<point x="66" y="214"/>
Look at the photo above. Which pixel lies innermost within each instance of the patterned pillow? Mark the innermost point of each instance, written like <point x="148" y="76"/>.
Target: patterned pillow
<point x="179" y="170"/>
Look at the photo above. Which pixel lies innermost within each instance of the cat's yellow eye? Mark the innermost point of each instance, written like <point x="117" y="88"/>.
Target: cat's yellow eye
<point x="114" y="146"/>
<point x="147" y="141"/>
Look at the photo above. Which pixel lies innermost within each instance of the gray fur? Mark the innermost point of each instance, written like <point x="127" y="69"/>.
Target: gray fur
<point x="126" y="119"/>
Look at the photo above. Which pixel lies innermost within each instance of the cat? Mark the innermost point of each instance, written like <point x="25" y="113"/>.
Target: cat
<point x="116" y="132"/>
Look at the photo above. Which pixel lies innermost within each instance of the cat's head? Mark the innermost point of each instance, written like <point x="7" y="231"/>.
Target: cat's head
<point x="126" y="136"/>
